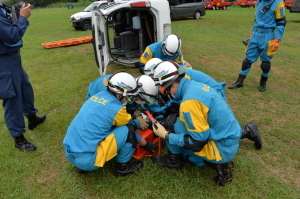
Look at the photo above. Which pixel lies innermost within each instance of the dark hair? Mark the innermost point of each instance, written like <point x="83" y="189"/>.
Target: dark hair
<point x="178" y="79"/>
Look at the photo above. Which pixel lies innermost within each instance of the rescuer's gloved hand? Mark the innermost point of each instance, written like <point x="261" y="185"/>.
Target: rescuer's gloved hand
<point x="275" y="45"/>
<point x="144" y="124"/>
<point x="159" y="130"/>
<point x="149" y="146"/>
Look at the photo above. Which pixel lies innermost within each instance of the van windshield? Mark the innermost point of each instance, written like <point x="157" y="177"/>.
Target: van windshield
<point x="90" y="7"/>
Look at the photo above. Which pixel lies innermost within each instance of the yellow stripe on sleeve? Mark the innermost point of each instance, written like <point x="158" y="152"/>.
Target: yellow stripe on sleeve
<point x="194" y="114"/>
<point x="146" y="56"/>
<point x="122" y="117"/>
<point x="280" y="10"/>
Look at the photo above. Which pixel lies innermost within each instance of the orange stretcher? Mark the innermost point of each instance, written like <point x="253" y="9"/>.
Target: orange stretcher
<point x="68" y="42"/>
<point x="149" y="136"/>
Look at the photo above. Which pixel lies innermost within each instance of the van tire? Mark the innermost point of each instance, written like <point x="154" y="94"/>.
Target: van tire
<point x="86" y="25"/>
<point x="197" y="15"/>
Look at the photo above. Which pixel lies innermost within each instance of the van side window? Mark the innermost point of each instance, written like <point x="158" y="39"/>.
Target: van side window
<point x="198" y="0"/>
<point x="189" y="1"/>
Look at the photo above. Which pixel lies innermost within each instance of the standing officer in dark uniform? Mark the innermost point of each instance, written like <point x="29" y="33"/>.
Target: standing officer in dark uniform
<point x="15" y="89"/>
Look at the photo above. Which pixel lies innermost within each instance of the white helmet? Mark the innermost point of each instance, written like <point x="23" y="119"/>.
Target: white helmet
<point x="171" y="45"/>
<point x="123" y="83"/>
<point x="147" y="91"/>
<point x="166" y="73"/>
<point x="151" y="65"/>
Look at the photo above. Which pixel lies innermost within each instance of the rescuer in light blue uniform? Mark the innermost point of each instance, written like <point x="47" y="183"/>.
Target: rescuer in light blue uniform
<point x="206" y="132"/>
<point x="96" y="86"/>
<point x="168" y="49"/>
<point x="15" y="88"/>
<point x="199" y="76"/>
<point x="147" y="99"/>
<point x="264" y="40"/>
<point x="100" y="130"/>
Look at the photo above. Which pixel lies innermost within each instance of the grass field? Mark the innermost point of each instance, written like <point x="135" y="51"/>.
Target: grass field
<point x="60" y="78"/>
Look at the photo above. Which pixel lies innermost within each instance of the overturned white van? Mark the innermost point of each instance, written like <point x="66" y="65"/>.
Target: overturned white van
<point x="123" y="29"/>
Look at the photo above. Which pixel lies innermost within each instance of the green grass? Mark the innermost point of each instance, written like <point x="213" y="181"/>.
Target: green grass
<point x="60" y="78"/>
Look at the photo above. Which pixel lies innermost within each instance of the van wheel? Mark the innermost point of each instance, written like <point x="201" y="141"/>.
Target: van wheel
<point x="86" y="25"/>
<point x="197" y="15"/>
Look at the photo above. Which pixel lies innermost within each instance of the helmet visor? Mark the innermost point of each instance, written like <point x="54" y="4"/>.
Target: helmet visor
<point x="122" y="90"/>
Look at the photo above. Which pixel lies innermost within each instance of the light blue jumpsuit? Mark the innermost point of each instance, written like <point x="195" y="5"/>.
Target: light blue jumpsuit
<point x="101" y="115"/>
<point x="204" y="115"/>
<point x="155" y="51"/>
<point x="201" y="77"/>
<point x="267" y="26"/>
<point x="15" y="87"/>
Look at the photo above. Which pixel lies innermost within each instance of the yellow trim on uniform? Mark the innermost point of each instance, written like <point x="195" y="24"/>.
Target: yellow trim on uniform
<point x="106" y="150"/>
<point x="210" y="151"/>
<point x="179" y="59"/>
<point x="187" y="77"/>
<point x="198" y="115"/>
<point x="144" y="59"/>
<point x="280" y="8"/>
<point x="122" y="117"/>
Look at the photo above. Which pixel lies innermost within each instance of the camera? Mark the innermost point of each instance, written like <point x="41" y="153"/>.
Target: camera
<point x="246" y="41"/>
<point x="21" y="3"/>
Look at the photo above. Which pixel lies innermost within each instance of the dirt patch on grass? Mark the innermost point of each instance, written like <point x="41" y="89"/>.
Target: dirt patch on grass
<point x="287" y="174"/>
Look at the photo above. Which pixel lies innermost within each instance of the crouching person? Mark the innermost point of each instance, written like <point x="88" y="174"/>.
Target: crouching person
<point x="102" y="129"/>
<point x="206" y="132"/>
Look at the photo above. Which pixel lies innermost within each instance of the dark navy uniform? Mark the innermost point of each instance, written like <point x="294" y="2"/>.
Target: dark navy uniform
<point x="15" y="89"/>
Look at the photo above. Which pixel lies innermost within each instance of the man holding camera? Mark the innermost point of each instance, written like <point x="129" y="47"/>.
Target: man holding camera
<point x="264" y="40"/>
<point x="15" y="88"/>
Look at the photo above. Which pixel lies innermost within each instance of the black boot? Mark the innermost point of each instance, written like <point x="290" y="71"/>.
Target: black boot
<point x="263" y="83"/>
<point x="22" y="144"/>
<point x="80" y="171"/>
<point x="251" y="132"/>
<point x="171" y="160"/>
<point x="123" y="169"/>
<point x="224" y="172"/>
<point x="239" y="82"/>
<point x="34" y="120"/>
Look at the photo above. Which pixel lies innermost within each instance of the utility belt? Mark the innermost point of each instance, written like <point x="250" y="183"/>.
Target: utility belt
<point x="15" y="52"/>
<point x="264" y="30"/>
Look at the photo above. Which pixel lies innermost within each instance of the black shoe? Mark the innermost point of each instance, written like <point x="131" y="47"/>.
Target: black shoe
<point x="22" y="144"/>
<point x="263" y="84"/>
<point x="172" y="161"/>
<point x="239" y="82"/>
<point x="251" y="132"/>
<point x="224" y="172"/>
<point x="80" y="171"/>
<point x="34" y="120"/>
<point x="123" y="169"/>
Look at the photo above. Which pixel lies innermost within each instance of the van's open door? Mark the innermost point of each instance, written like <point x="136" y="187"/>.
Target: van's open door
<point x="101" y="47"/>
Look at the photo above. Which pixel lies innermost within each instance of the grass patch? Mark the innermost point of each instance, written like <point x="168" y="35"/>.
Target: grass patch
<point x="60" y="78"/>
